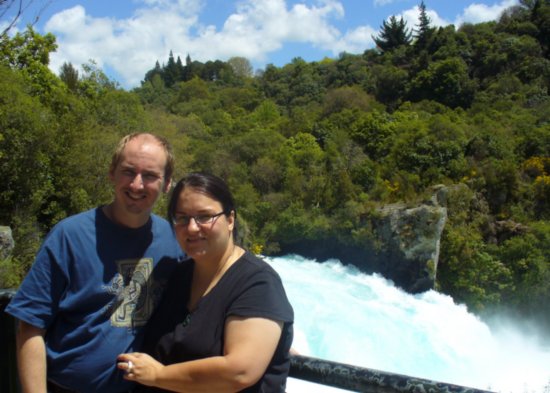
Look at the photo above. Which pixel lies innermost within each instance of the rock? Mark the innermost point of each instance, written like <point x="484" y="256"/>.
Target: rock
<point x="410" y="239"/>
<point x="500" y="231"/>
<point x="440" y="195"/>
<point x="402" y="244"/>
<point x="6" y="242"/>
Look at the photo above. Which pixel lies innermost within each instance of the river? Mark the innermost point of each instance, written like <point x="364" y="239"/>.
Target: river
<point x="346" y="316"/>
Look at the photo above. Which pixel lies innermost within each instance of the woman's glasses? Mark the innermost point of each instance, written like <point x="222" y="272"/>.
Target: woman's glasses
<point x="201" y="219"/>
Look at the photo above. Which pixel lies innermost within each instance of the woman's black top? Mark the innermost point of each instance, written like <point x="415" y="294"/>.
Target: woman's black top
<point x="249" y="288"/>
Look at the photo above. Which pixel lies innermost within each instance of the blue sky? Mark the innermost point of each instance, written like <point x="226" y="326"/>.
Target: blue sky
<point x="126" y="37"/>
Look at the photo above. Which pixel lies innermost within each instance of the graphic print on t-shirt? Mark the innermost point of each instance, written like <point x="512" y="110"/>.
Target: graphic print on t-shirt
<point x="131" y="284"/>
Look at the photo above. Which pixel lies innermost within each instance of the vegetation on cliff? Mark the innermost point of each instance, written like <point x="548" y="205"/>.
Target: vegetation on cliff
<point x="311" y="149"/>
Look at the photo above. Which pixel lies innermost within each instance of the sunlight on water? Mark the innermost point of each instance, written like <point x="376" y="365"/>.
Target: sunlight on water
<point x="350" y="317"/>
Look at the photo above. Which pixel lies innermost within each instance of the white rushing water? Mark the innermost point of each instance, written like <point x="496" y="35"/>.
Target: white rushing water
<point x="364" y="320"/>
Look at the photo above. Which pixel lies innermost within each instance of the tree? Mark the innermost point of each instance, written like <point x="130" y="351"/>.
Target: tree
<point x="150" y="75"/>
<point x="527" y="257"/>
<point x="336" y="100"/>
<point x="188" y="70"/>
<point x="29" y="52"/>
<point x="195" y="89"/>
<point x="541" y="17"/>
<point x="241" y="66"/>
<point x="374" y="132"/>
<point x="468" y="272"/>
<point x="154" y="91"/>
<point x="348" y="70"/>
<point x="172" y="72"/>
<point x="304" y="82"/>
<point x="445" y="81"/>
<point x="94" y="82"/>
<point x="390" y="84"/>
<point x="27" y="138"/>
<point x="273" y="85"/>
<point x="27" y="49"/>
<point x="217" y="71"/>
<point x="393" y="34"/>
<point x="424" y="31"/>
<point x="69" y="75"/>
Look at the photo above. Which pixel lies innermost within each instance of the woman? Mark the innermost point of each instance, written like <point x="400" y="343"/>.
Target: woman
<point x="225" y="323"/>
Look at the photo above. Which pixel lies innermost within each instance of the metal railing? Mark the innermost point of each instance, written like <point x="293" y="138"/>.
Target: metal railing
<point x="365" y="380"/>
<point x="8" y="367"/>
<point x="324" y="372"/>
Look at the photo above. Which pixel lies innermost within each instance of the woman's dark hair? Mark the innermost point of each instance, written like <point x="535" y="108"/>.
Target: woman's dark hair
<point x="208" y="184"/>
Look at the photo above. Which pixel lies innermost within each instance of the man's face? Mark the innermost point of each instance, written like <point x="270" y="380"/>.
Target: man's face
<point x="139" y="177"/>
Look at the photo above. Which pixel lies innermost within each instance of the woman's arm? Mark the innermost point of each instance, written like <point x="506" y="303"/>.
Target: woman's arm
<point x="249" y="347"/>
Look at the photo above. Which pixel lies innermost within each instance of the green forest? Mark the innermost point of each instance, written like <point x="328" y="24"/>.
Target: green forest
<point x="311" y="149"/>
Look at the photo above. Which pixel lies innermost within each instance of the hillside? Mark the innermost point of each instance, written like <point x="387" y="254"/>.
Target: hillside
<point x="311" y="150"/>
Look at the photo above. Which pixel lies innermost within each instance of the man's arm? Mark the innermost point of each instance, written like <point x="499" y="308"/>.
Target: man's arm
<point x="31" y="358"/>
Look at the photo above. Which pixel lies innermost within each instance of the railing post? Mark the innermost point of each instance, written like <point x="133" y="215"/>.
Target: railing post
<point x="9" y="382"/>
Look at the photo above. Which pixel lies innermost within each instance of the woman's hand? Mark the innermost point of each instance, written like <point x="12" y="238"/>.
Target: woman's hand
<point x="249" y="346"/>
<point x="139" y="367"/>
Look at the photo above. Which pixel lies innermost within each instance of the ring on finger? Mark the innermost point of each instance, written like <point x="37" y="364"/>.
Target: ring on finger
<point x="130" y="367"/>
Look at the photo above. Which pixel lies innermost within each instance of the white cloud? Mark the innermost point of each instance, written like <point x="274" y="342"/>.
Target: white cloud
<point x="354" y="41"/>
<point x="411" y="17"/>
<point x="477" y="13"/>
<point x="260" y="27"/>
<point x="128" y="46"/>
<point x="474" y="13"/>
<point x="257" y="27"/>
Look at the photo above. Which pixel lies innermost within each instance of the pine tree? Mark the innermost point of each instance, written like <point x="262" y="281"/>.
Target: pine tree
<point x="180" y="69"/>
<point x="171" y="71"/>
<point x="155" y="71"/>
<point x="424" y="31"/>
<point x="188" y="69"/>
<point x="393" y="34"/>
<point x="69" y="75"/>
<point x="540" y="15"/>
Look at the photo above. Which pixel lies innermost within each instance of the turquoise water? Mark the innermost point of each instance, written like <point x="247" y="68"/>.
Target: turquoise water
<point x="350" y="317"/>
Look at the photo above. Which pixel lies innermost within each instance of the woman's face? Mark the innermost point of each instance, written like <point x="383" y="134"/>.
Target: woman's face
<point x="210" y="239"/>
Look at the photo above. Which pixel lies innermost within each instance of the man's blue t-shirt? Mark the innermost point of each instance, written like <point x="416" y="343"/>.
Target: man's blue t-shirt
<point x="93" y="286"/>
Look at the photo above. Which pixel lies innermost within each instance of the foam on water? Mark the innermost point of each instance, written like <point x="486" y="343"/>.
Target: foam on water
<point x="350" y="317"/>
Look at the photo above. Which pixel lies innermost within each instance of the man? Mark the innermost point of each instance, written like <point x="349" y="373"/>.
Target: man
<point x="97" y="279"/>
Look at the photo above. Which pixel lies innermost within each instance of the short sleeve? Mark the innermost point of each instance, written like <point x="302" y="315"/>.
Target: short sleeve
<point x="262" y="295"/>
<point x="37" y="299"/>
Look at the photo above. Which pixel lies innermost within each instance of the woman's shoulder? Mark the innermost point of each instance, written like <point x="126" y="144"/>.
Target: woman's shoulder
<point x="255" y="263"/>
<point x="250" y="265"/>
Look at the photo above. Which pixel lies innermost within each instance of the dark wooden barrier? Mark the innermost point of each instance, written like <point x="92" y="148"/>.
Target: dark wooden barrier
<point x="324" y="372"/>
<point x="8" y="367"/>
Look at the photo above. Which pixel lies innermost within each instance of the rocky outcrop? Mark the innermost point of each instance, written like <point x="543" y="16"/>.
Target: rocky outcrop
<point x="409" y="239"/>
<point x="500" y="231"/>
<point x="404" y="244"/>
<point x="6" y="242"/>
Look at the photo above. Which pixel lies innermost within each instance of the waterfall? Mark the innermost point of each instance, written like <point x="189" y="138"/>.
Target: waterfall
<point x="346" y="316"/>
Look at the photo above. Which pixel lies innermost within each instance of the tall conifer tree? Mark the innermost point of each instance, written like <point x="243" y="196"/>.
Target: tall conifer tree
<point x="424" y="31"/>
<point x="393" y="34"/>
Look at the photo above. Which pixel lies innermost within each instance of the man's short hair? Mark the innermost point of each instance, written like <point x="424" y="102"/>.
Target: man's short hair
<point x="168" y="169"/>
